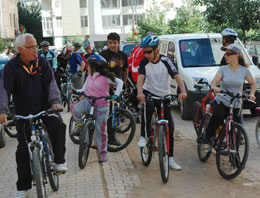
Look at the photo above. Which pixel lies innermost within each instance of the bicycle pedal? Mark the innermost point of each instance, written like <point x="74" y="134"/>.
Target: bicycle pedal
<point x="94" y="147"/>
<point x="60" y="173"/>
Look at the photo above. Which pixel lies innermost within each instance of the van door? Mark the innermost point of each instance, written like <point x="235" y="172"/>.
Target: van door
<point x="171" y="53"/>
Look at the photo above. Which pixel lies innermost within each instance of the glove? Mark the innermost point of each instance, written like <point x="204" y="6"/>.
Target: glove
<point x="114" y="96"/>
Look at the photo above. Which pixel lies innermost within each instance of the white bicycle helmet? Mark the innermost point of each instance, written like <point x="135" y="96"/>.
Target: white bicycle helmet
<point x="229" y="32"/>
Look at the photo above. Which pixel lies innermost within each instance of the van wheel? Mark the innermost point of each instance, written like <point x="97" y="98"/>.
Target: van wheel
<point x="185" y="115"/>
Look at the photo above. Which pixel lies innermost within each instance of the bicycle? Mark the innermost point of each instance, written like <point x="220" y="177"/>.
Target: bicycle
<point x="86" y="136"/>
<point x="231" y="144"/>
<point x="257" y="127"/>
<point x="41" y="153"/>
<point x="159" y="139"/>
<point x="66" y="85"/>
<point x="9" y="128"/>
<point x="203" y="109"/>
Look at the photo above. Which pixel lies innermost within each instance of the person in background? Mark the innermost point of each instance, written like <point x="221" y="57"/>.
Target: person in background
<point x="229" y="36"/>
<point x="30" y="81"/>
<point x="7" y="54"/>
<point x="86" y="41"/>
<point x="48" y="54"/>
<point x="117" y="64"/>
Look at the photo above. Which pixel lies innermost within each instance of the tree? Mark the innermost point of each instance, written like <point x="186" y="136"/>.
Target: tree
<point x="240" y="15"/>
<point x="152" y="21"/>
<point x="31" y="20"/>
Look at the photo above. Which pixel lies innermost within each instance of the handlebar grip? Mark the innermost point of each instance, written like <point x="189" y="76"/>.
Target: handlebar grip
<point x="51" y="111"/>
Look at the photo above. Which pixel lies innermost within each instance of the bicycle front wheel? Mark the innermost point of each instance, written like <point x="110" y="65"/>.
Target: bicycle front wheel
<point x="124" y="129"/>
<point x="53" y="177"/>
<point x="146" y="153"/>
<point x="204" y="150"/>
<point x="85" y="144"/>
<point x="257" y="131"/>
<point x="163" y="153"/>
<point x="10" y="129"/>
<point x="2" y="136"/>
<point x="38" y="175"/>
<point x="231" y="161"/>
<point x="197" y="117"/>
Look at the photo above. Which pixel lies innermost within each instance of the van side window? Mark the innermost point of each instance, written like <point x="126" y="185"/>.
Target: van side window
<point x="163" y="47"/>
<point x="171" y="53"/>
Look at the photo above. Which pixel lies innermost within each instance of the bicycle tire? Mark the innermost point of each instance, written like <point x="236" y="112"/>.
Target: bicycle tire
<point x="85" y="144"/>
<point x="198" y="114"/>
<point x="234" y="159"/>
<point x="52" y="176"/>
<point x="257" y="131"/>
<point x="124" y="137"/>
<point x="146" y="153"/>
<point x="38" y="173"/>
<point x="74" y="139"/>
<point x="163" y="153"/>
<point x="2" y="137"/>
<point x="11" y="133"/>
<point x="68" y="102"/>
<point x="204" y="150"/>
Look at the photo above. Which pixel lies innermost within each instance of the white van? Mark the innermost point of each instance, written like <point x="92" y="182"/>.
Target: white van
<point x="198" y="56"/>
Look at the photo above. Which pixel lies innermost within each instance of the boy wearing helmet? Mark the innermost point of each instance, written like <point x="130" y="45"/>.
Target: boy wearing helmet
<point x="97" y="84"/>
<point x="49" y="55"/>
<point x="154" y="75"/>
<point x="228" y="37"/>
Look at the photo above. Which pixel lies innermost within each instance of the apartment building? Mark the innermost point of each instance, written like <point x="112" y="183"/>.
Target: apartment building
<point x="8" y="19"/>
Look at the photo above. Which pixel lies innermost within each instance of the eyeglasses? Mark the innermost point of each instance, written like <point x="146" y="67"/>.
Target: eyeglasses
<point x="230" y="53"/>
<point x="148" y="51"/>
<point x="34" y="47"/>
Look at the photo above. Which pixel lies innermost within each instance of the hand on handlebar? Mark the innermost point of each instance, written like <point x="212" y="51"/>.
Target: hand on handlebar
<point x="141" y="97"/>
<point x="252" y="97"/>
<point x="216" y="90"/>
<point x="3" y="118"/>
<point x="56" y="106"/>
<point x="182" y="97"/>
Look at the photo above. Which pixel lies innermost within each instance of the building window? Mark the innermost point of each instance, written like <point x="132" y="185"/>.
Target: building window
<point x="128" y="20"/>
<point x="82" y="3"/>
<point x="111" y="20"/>
<point x="58" y="22"/>
<point x="110" y="3"/>
<point x="47" y="23"/>
<point x="84" y="21"/>
<point x="15" y="24"/>
<point x="132" y="3"/>
<point x="57" y="4"/>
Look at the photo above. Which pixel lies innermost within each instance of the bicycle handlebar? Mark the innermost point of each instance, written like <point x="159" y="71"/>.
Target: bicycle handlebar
<point x="33" y="116"/>
<point x="167" y="97"/>
<point x="237" y="95"/>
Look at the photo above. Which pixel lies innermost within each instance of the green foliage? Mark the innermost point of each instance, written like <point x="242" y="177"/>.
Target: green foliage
<point x="31" y="20"/>
<point x="152" y="21"/>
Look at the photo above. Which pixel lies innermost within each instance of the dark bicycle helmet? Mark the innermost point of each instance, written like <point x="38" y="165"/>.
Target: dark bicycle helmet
<point x="97" y="60"/>
<point x="44" y="43"/>
<point x="149" y="41"/>
<point x="77" y="44"/>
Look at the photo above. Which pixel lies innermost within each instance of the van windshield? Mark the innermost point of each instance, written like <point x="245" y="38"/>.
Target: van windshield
<point x="203" y="52"/>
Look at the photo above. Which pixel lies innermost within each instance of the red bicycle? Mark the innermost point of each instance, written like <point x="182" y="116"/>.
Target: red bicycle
<point x="159" y="139"/>
<point x="202" y="110"/>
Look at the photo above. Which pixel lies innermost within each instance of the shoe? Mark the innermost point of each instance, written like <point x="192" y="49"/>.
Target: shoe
<point x="102" y="159"/>
<point x="142" y="142"/>
<point x="112" y="140"/>
<point x="61" y="167"/>
<point x="173" y="164"/>
<point x="77" y="130"/>
<point x="22" y="194"/>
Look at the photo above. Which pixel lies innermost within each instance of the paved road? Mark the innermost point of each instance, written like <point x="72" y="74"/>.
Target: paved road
<point x="124" y="175"/>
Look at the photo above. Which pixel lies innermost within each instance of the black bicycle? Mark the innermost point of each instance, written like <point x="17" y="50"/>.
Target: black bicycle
<point x="66" y="85"/>
<point x="10" y="127"/>
<point x="41" y="153"/>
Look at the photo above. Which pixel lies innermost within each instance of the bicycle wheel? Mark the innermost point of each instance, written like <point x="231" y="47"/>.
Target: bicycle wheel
<point x="146" y="153"/>
<point x="38" y="175"/>
<point x="163" y="153"/>
<point x="68" y="102"/>
<point x="204" y="150"/>
<point x="124" y="120"/>
<point x="232" y="161"/>
<point x="2" y="137"/>
<point x="85" y="144"/>
<point x="10" y="129"/>
<point x="257" y="131"/>
<point x="49" y="161"/>
<point x="197" y="117"/>
<point x="63" y="94"/>
<point x="74" y="138"/>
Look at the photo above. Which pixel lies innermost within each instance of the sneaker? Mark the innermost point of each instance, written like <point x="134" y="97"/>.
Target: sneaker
<point x="77" y="130"/>
<point x="142" y="142"/>
<point x="102" y="159"/>
<point x="173" y="164"/>
<point x="61" y="167"/>
<point x="112" y="140"/>
<point x="22" y="194"/>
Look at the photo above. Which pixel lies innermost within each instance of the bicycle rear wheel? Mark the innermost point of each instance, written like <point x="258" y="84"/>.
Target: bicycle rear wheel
<point x="163" y="153"/>
<point x="74" y="138"/>
<point x="230" y="162"/>
<point x="49" y="161"/>
<point x="38" y="175"/>
<point x="198" y="114"/>
<point x="124" y="129"/>
<point x="204" y="150"/>
<point x="2" y="137"/>
<point x="85" y="144"/>
<point x="257" y="131"/>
